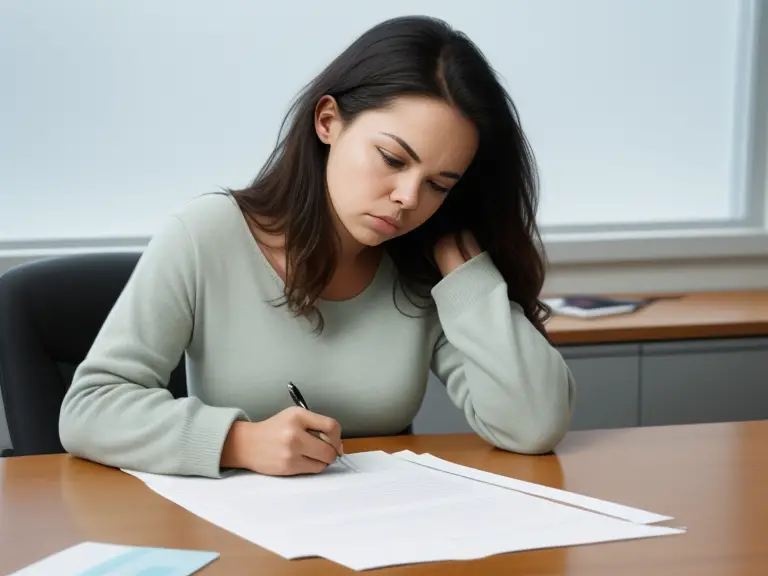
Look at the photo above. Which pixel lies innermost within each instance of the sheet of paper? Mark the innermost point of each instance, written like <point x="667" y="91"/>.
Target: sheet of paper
<point x="268" y="510"/>
<point x="412" y="547"/>
<point x="99" y="559"/>
<point x="635" y="515"/>
<point x="390" y="512"/>
<point x="491" y="520"/>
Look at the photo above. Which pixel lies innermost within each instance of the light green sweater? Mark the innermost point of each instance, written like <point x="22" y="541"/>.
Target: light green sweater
<point x="203" y="287"/>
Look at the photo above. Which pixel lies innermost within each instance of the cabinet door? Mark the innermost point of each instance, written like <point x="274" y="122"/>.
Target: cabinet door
<point x="607" y="385"/>
<point x="704" y="381"/>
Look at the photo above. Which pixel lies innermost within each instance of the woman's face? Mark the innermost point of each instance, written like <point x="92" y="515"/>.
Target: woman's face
<point x="391" y="169"/>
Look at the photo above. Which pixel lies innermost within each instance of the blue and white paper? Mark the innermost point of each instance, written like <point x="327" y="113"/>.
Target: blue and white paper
<point x="97" y="559"/>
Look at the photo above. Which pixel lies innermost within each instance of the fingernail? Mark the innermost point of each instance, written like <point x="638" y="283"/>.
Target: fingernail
<point x="341" y="448"/>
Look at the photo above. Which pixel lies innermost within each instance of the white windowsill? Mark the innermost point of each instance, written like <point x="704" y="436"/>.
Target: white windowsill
<point x="562" y="248"/>
<point x="650" y="246"/>
<point x="668" y="261"/>
<point x="47" y="248"/>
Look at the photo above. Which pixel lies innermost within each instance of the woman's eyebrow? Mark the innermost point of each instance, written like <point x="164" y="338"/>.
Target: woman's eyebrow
<point x="405" y="145"/>
<point x="412" y="153"/>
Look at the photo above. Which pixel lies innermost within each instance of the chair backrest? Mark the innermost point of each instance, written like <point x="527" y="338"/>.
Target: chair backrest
<point x="50" y="313"/>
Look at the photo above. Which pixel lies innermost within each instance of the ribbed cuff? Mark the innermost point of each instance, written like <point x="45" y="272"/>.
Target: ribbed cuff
<point x="203" y="440"/>
<point x="470" y="282"/>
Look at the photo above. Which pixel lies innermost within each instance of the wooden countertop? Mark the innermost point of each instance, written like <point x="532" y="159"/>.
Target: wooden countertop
<point x="710" y="477"/>
<point x="673" y="317"/>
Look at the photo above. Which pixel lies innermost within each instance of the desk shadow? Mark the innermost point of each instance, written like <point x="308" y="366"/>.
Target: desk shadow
<point x="589" y="440"/>
<point x="544" y="469"/>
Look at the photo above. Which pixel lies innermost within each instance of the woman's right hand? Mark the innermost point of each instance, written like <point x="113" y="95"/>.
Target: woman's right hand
<point x="282" y="445"/>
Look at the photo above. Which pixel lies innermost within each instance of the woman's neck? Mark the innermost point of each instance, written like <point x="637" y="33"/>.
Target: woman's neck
<point x="356" y="265"/>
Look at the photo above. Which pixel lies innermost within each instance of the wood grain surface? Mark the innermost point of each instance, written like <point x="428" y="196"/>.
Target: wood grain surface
<point x="672" y="317"/>
<point x="713" y="478"/>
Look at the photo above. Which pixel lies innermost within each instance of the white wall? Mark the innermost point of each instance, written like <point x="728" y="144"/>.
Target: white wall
<point x="114" y="113"/>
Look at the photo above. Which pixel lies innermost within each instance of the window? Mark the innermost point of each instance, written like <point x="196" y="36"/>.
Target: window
<point x="642" y="115"/>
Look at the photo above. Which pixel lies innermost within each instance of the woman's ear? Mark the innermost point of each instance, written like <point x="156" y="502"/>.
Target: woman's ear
<point x="327" y="119"/>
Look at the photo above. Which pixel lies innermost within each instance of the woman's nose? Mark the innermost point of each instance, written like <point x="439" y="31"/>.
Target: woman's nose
<point x="406" y="194"/>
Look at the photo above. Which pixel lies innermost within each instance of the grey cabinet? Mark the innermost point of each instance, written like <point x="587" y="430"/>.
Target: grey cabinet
<point x="645" y="384"/>
<point x="607" y="385"/>
<point x="704" y="381"/>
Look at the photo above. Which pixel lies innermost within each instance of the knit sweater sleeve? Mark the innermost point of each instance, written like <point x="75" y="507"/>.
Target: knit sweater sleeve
<point x="513" y="387"/>
<point x="118" y="410"/>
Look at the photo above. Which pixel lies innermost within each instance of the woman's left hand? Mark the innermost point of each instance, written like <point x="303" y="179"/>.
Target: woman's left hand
<point x="447" y="253"/>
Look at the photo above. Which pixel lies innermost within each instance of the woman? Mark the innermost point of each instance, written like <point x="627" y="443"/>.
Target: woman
<point x="391" y="232"/>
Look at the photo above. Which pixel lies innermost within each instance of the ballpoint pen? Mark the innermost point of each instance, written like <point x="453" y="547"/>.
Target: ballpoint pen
<point x="298" y="399"/>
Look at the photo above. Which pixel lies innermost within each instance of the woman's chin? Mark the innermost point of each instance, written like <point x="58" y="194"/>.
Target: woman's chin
<point x="369" y="236"/>
<point x="370" y="239"/>
<point x="370" y="232"/>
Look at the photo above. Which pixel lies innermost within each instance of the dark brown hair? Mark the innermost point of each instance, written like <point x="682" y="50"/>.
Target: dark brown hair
<point x="496" y="199"/>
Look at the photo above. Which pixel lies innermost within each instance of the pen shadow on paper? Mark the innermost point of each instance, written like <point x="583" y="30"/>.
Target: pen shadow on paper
<point x="332" y="470"/>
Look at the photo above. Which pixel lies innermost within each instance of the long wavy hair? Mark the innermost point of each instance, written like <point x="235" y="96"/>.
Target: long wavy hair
<point x="496" y="199"/>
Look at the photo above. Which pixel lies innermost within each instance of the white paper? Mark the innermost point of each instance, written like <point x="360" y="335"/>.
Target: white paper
<point x="481" y="523"/>
<point x="392" y="511"/>
<point x="635" y="515"/>
<point x="396" y="551"/>
<point x="272" y="510"/>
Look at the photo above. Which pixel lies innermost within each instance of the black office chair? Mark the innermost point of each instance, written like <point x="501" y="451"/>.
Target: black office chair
<point x="50" y="312"/>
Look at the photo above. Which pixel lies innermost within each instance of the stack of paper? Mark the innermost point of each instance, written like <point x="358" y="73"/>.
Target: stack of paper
<point x="400" y="509"/>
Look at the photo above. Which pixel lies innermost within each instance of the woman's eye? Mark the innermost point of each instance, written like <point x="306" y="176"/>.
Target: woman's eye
<point x="438" y="188"/>
<point x="391" y="160"/>
<point x="397" y="163"/>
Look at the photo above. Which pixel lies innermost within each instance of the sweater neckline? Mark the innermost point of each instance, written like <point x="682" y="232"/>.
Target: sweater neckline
<point x="364" y="295"/>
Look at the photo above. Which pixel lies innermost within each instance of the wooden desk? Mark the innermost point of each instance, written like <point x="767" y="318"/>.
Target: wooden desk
<point x="712" y="478"/>
<point x="696" y="315"/>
